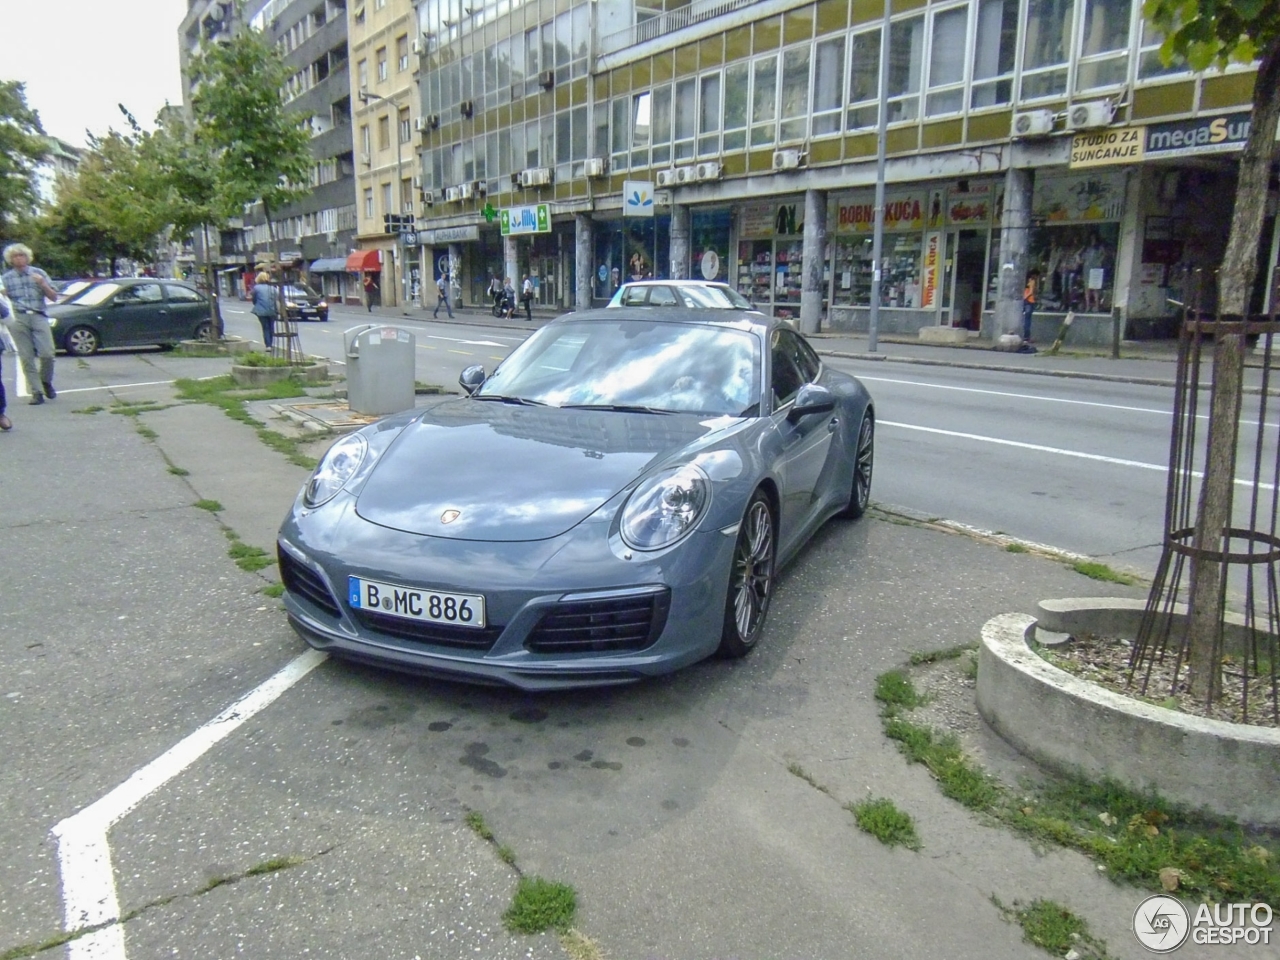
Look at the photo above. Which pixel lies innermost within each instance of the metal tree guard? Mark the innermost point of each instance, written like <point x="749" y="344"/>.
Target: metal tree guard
<point x="1246" y="643"/>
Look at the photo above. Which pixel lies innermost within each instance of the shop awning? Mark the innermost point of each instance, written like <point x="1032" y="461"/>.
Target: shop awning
<point x="329" y="265"/>
<point x="364" y="260"/>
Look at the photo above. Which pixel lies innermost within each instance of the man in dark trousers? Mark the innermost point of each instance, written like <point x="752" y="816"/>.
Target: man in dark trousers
<point x="442" y="290"/>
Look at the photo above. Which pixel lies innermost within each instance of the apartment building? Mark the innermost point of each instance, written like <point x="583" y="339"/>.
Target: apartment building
<point x="385" y="46"/>
<point x="584" y="143"/>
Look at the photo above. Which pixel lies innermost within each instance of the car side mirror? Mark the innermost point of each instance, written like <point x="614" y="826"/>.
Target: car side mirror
<point x="812" y="398"/>
<point x="471" y="378"/>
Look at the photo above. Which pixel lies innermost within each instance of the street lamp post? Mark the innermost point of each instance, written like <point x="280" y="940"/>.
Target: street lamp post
<point x="365" y="97"/>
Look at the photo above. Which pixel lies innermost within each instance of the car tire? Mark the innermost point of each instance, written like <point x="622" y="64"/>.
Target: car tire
<point x="203" y="331"/>
<point x="863" y="462"/>
<point x="81" y="341"/>
<point x="751" y="579"/>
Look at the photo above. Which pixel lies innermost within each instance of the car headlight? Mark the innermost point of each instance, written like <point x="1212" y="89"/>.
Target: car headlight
<point x="322" y="304"/>
<point x="665" y="507"/>
<point x="338" y="466"/>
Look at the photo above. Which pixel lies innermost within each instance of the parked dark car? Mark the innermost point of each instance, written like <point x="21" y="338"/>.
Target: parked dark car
<point x="613" y="502"/>
<point x="303" y="303"/>
<point x="130" y="312"/>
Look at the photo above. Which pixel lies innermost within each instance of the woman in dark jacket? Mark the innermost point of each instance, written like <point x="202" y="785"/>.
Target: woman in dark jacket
<point x="264" y="305"/>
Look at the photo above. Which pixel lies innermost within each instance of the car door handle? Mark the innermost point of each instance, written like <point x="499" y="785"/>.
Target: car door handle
<point x="834" y="425"/>
<point x="162" y="313"/>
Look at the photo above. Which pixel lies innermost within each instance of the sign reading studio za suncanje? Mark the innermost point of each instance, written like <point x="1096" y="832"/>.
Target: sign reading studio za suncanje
<point x="1178" y="138"/>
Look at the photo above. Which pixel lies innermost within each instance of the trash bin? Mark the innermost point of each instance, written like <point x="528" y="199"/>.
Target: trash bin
<point x="379" y="368"/>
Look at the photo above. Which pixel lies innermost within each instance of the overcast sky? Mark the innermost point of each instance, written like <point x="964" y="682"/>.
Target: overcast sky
<point x="80" y="58"/>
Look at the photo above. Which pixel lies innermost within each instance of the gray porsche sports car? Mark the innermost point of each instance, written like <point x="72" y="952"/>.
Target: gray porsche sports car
<point x="612" y="502"/>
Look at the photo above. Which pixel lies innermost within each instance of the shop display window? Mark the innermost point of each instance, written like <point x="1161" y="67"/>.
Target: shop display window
<point x="1077" y="266"/>
<point x="899" y="281"/>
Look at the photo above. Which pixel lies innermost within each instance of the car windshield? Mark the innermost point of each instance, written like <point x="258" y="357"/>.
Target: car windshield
<point x="96" y="294"/>
<point x="716" y="298"/>
<point x="74" y="289"/>
<point x="658" y="366"/>
<point x="301" y="293"/>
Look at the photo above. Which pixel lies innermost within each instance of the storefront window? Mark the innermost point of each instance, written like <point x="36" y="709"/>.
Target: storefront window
<point x="993" y="53"/>
<point x="1076" y="264"/>
<point x="709" y="245"/>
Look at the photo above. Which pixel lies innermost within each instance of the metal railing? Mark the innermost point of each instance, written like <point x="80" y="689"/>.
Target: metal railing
<point x="666" y="22"/>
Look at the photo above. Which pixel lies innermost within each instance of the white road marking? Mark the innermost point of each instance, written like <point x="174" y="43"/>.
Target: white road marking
<point x="478" y="343"/>
<point x="115" y="386"/>
<point x="1041" y="448"/>
<point x="84" y="853"/>
<point x="1033" y="396"/>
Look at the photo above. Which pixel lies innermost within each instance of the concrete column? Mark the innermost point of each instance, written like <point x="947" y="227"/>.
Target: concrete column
<point x="679" y="242"/>
<point x="814" y="253"/>
<point x="1015" y="235"/>
<point x="511" y="261"/>
<point x="585" y="257"/>
<point x="455" y="269"/>
<point x="1128" y="251"/>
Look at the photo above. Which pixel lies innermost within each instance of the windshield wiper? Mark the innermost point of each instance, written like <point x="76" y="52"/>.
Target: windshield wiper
<point x="615" y="407"/>
<point x="519" y="401"/>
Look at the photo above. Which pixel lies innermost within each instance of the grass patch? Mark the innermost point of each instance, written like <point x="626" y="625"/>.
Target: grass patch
<point x="178" y="471"/>
<point x="1134" y="836"/>
<point x="259" y="359"/>
<point x="541" y="905"/>
<point x="506" y="855"/>
<point x="1053" y="927"/>
<point x="579" y="946"/>
<point x="93" y="409"/>
<point x="273" y="590"/>
<point x="971" y="666"/>
<point x="937" y="656"/>
<point x="272" y="865"/>
<point x="127" y="408"/>
<point x="1014" y="548"/>
<point x="250" y="559"/>
<point x="881" y="818"/>
<point x="225" y="394"/>
<point x="146" y="432"/>
<point x="213" y="506"/>
<point x="798" y="771"/>
<point x="475" y="820"/>
<point x="1100" y="571"/>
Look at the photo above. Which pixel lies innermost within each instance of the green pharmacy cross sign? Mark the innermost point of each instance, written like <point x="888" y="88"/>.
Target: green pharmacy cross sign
<point x="534" y="218"/>
<point x="489" y="212"/>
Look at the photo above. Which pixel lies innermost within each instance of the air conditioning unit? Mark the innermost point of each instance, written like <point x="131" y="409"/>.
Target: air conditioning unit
<point x="466" y="190"/>
<point x="433" y="120"/>
<point x="366" y="159"/>
<point x="535" y="177"/>
<point x="481" y="187"/>
<point x="1086" y="116"/>
<point x="416" y="47"/>
<point x="428" y="198"/>
<point x="547" y="79"/>
<point x="710" y="170"/>
<point x="686" y="174"/>
<point x="1032" y="123"/>
<point x="666" y="178"/>
<point x="452" y="195"/>
<point x="420" y="123"/>
<point x="786" y="159"/>
<point x="593" y="167"/>
<point x="467" y="107"/>
<point x="417" y="183"/>
<point x="517" y="181"/>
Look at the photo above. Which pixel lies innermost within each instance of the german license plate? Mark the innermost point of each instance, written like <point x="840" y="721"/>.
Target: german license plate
<point x="412" y="603"/>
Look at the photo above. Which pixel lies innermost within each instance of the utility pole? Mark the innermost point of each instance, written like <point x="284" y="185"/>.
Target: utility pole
<point x="877" y="242"/>
<point x="365" y="97"/>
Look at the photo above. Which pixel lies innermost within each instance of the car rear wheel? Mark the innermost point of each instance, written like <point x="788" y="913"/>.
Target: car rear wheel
<point x="864" y="460"/>
<point x="204" y="331"/>
<point x="750" y="579"/>
<point x="81" y="341"/>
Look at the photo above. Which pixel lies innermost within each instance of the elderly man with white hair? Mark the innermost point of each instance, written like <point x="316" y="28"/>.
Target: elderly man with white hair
<point x="28" y="287"/>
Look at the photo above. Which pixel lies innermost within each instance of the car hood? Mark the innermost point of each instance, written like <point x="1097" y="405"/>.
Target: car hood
<point x="511" y="472"/>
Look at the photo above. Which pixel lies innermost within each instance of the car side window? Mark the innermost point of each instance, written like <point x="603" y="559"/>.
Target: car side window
<point x="662" y="297"/>
<point x="634" y="296"/>
<point x="140" y="293"/>
<point x="182" y="294"/>
<point x="806" y="359"/>
<point x="785" y="378"/>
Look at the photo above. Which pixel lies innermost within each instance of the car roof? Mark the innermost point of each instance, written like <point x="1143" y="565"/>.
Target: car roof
<point x="675" y="283"/>
<point x="762" y="323"/>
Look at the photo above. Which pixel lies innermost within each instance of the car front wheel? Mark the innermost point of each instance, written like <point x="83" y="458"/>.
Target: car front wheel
<point x="864" y="460"/>
<point x="204" y="331"/>
<point x="81" y="341"/>
<point x="751" y="579"/>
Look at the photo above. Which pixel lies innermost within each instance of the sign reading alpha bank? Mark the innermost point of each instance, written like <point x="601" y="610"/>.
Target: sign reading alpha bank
<point x="1157" y="141"/>
<point x="534" y="218"/>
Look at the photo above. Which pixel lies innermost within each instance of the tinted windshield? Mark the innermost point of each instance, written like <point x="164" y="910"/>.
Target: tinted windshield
<point x="679" y="367"/>
<point x="98" y="293"/>
<point x="716" y="298"/>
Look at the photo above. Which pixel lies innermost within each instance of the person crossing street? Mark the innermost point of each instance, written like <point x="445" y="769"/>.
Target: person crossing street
<point x="27" y="288"/>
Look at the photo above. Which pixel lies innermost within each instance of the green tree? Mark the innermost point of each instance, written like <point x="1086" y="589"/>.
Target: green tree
<point x="1214" y="33"/>
<point x="22" y="146"/>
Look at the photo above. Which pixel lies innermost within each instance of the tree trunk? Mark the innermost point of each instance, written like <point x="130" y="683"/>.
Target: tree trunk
<point x="1235" y="286"/>
<point x="215" y="315"/>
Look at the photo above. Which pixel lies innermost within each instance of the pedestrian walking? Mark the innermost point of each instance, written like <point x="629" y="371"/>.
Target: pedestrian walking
<point x="264" y="306"/>
<point x="526" y="297"/>
<point x="6" y="317"/>
<point x="370" y="291"/>
<point x="1030" y="297"/>
<point x="508" y="299"/>
<point x="442" y="290"/>
<point x="27" y="288"/>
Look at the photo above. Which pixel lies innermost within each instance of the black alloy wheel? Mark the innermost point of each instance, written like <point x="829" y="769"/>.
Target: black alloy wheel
<point x="864" y="460"/>
<point x="751" y="579"/>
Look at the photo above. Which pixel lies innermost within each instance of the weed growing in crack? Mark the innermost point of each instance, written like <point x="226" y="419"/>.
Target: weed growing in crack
<point x="213" y="506"/>
<point x="798" y="771"/>
<point x="475" y="820"/>
<point x="1053" y="928"/>
<point x="250" y="559"/>
<point x="541" y="905"/>
<point x="1100" y="571"/>
<point x="881" y="818"/>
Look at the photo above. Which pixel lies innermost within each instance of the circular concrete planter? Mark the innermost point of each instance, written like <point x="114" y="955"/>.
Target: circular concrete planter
<point x="258" y="376"/>
<point x="1074" y="726"/>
